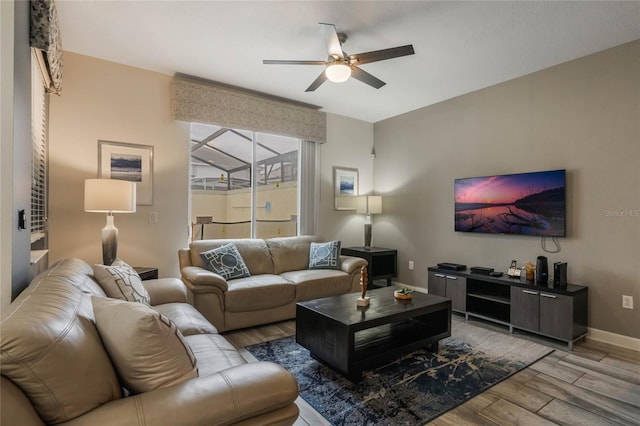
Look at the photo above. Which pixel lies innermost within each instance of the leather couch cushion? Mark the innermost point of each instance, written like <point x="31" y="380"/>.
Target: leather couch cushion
<point x="82" y="278"/>
<point x="51" y="349"/>
<point x="290" y="253"/>
<point x="254" y="252"/>
<point x="121" y="282"/>
<point x="258" y="292"/>
<point x="187" y="318"/>
<point x="16" y="407"/>
<point x="317" y="283"/>
<point x="214" y="353"/>
<point x="146" y="347"/>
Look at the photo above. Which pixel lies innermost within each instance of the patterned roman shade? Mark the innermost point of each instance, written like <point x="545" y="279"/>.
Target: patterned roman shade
<point x="201" y="101"/>
<point x="44" y="36"/>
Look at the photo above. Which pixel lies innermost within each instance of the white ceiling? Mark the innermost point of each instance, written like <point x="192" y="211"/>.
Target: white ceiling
<point x="460" y="46"/>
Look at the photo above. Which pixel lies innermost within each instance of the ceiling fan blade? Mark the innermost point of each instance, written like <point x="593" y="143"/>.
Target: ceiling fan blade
<point x="317" y="82"/>
<point x="331" y="40"/>
<point x="381" y="55"/>
<point x="284" y="62"/>
<point x="366" y="78"/>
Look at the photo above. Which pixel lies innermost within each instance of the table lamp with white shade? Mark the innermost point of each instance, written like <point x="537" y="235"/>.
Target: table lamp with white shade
<point x="369" y="204"/>
<point x="109" y="196"/>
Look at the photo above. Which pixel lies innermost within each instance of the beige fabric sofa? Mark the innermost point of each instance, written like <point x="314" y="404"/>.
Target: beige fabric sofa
<point x="55" y="369"/>
<point x="279" y="278"/>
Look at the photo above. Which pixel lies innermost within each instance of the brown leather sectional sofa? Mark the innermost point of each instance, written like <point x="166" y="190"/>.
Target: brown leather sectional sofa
<point x="55" y="369"/>
<point x="280" y="277"/>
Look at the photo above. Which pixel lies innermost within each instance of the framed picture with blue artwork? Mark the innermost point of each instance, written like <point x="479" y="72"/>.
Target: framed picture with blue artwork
<point x="345" y="187"/>
<point x="131" y="162"/>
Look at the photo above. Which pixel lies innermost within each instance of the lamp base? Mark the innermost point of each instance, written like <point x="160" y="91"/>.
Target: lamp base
<point x="109" y="242"/>
<point x="367" y="235"/>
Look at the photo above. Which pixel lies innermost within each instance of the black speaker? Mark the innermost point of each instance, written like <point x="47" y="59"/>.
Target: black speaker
<point x="560" y="274"/>
<point x="542" y="270"/>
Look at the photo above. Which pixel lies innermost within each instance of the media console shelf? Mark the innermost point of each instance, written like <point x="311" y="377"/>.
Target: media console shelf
<point x="488" y="300"/>
<point x="556" y="312"/>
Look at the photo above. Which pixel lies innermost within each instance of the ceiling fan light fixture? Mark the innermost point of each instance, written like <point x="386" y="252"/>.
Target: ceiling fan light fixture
<point x="338" y="72"/>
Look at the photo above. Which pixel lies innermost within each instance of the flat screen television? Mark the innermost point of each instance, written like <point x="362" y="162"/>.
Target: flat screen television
<point x="523" y="203"/>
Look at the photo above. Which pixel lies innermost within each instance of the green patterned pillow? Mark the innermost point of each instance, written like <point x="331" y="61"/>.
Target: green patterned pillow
<point x="325" y="255"/>
<point x="225" y="261"/>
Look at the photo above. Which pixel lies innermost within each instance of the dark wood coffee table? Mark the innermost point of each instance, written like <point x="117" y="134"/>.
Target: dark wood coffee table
<point x="351" y="339"/>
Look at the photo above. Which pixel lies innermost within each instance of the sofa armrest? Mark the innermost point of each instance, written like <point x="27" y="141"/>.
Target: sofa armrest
<point x="16" y="407"/>
<point x="198" y="276"/>
<point x="184" y="257"/>
<point x="351" y="264"/>
<point x="166" y="290"/>
<point x="230" y="396"/>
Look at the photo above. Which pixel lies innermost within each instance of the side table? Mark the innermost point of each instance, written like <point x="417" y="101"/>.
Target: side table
<point x="382" y="262"/>
<point x="146" y="272"/>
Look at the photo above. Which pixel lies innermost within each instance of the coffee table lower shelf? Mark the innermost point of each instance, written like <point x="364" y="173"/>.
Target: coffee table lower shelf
<point x="389" y="329"/>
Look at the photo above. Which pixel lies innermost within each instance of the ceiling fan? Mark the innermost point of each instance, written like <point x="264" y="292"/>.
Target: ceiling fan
<point x="340" y="66"/>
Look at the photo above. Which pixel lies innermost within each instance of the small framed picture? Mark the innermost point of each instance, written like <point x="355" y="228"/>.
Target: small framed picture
<point x="345" y="188"/>
<point x="131" y="162"/>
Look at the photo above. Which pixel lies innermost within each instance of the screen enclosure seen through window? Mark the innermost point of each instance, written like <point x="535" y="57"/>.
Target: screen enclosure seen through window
<point x="243" y="184"/>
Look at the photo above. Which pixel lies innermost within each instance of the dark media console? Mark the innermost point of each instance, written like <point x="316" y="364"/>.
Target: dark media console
<point x="556" y="312"/>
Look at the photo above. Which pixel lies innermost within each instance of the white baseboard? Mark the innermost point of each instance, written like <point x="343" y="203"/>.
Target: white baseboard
<point x="592" y="333"/>
<point x="613" y="339"/>
<point x="412" y="287"/>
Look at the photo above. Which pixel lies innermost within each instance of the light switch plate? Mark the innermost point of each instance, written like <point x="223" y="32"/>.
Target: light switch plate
<point x="627" y="302"/>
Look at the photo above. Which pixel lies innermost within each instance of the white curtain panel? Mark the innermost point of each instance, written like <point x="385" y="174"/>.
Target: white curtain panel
<point x="309" y="188"/>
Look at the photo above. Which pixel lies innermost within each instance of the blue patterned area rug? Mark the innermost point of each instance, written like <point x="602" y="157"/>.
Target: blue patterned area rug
<point x="413" y="389"/>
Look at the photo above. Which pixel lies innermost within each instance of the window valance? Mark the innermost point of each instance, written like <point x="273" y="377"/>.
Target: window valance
<point x="202" y="101"/>
<point x="44" y="36"/>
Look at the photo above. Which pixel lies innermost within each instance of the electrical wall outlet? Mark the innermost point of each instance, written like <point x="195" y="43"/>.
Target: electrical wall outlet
<point x="411" y="265"/>
<point x="627" y="302"/>
<point x="153" y="217"/>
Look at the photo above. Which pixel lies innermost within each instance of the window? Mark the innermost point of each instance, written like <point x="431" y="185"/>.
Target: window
<point x="243" y="184"/>
<point x="39" y="137"/>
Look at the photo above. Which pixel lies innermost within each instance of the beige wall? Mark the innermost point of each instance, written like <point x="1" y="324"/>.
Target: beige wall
<point x="6" y="149"/>
<point x="349" y="143"/>
<point x="582" y="116"/>
<point x="107" y="101"/>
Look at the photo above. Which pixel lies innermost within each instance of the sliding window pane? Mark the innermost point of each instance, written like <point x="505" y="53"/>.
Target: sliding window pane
<point x="220" y="182"/>
<point x="223" y="164"/>
<point x="276" y="171"/>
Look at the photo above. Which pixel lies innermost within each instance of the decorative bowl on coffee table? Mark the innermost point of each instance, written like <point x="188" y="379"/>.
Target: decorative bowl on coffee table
<point x="403" y="294"/>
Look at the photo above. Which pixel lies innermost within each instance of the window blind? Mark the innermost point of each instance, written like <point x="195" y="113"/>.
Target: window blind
<point x="39" y="136"/>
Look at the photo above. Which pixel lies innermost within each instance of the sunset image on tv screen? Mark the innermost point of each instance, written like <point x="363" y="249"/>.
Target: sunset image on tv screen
<point x="525" y="203"/>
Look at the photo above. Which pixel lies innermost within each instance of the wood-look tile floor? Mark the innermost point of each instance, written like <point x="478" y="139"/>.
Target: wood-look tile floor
<point x="595" y="384"/>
